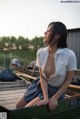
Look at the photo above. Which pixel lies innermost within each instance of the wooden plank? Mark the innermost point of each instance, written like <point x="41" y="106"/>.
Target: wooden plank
<point x="11" y="82"/>
<point x="9" y="99"/>
<point x="16" y="85"/>
<point x="25" y="75"/>
<point x="67" y="96"/>
<point x="12" y="91"/>
<point x="77" y="73"/>
<point x="10" y="96"/>
<point x="13" y="85"/>
<point x="12" y="88"/>
<point x="71" y="92"/>
<point x="74" y="87"/>
<point x="10" y="106"/>
<point x="31" y="72"/>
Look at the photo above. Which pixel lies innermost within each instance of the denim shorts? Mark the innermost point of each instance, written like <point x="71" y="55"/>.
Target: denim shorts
<point x="34" y="90"/>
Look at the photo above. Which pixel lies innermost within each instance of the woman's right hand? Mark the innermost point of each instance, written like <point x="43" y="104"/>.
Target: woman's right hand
<point x="53" y="102"/>
<point x="42" y="102"/>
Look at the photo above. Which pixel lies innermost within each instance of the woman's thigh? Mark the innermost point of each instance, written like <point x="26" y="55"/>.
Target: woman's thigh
<point x="33" y="102"/>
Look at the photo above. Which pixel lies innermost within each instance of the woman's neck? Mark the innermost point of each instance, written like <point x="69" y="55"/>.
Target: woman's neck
<point x="53" y="49"/>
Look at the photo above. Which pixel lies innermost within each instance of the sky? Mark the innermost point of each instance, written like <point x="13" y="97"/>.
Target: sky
<point x="30" y="18"/>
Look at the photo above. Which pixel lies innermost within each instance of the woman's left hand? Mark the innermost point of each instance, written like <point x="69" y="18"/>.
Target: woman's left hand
<point x="52" y="103"/>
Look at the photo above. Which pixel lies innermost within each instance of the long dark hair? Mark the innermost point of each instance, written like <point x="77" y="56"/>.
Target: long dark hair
<point x="59" y="28"/>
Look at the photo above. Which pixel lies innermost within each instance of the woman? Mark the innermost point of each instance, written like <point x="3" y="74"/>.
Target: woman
<point x="56" y="66"/>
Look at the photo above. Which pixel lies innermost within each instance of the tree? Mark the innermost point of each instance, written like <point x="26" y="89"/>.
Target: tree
<point x="37" y="42"/>
<point x="12" y="41"/>
<point x="3" y="42"/>
<point x="24" y="43"/>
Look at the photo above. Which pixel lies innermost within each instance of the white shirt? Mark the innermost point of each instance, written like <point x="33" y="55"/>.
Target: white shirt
<point x="65" y="60"/>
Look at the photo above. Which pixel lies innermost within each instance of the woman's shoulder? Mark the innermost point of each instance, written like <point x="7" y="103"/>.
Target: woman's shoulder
<point x="69" y="52"/>
<point x="42" y="50"/>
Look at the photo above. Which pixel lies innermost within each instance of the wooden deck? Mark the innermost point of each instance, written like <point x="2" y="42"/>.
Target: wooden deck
<point x="9" y="98"/>
<point x="10" y="93"/>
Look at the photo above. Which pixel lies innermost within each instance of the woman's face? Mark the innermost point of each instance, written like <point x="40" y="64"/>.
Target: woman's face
<point x="48" y="35"/>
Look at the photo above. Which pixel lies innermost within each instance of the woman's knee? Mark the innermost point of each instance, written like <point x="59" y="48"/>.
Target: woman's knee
<point x="21" y="103"/>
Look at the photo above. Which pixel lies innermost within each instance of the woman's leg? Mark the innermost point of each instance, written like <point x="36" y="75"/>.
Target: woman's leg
<point x="33" y="102"/>
<point x="29" y="95"/>
<point x="21" y="103"/>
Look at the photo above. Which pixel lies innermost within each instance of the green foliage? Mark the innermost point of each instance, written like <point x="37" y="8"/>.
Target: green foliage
<point x="21" y="48"/>
<point x="24" y="43"/>
<point x="37" y="42"/>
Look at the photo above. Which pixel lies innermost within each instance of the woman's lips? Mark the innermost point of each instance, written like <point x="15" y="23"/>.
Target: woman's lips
<point x="44" y="37"/>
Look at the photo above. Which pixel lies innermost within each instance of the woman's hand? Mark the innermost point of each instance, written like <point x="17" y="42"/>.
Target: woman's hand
<point x="52" y="103"/>
<point x="42" y="102"/>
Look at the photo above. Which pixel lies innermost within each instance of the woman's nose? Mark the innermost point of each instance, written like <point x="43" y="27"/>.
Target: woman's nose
<point x="45" y="32"/>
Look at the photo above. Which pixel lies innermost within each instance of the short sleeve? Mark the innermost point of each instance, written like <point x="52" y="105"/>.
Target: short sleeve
<point x="38" y="61"/>
<point x="72" y="62"/>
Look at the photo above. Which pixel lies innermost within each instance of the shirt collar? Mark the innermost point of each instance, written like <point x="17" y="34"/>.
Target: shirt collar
<point x="59" y="51"/>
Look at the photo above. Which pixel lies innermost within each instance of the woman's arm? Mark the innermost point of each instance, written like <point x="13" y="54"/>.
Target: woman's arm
<point x="44" y="86"/>
<point x="54" y="100"/>
<point x="65" y="84"/>
<point x="43" y="81"/>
